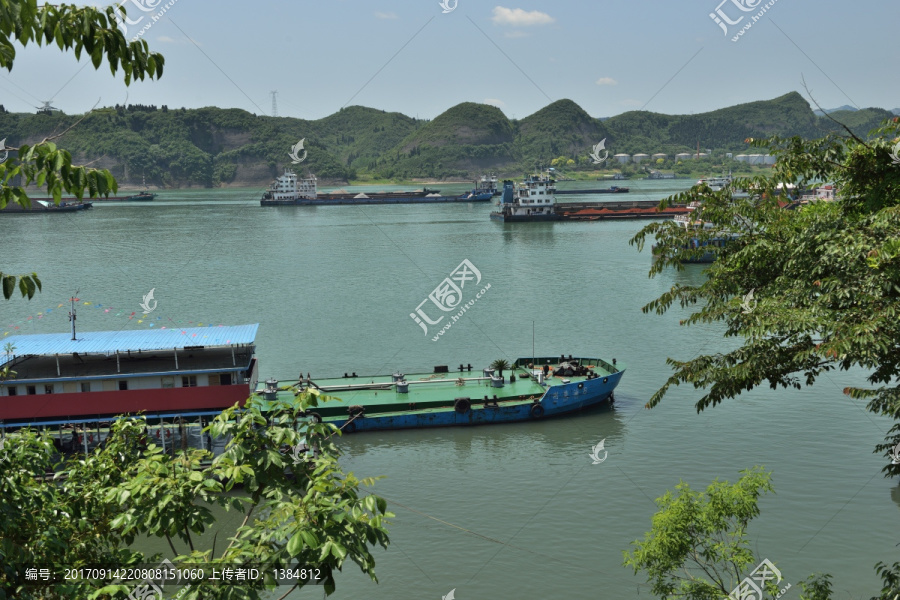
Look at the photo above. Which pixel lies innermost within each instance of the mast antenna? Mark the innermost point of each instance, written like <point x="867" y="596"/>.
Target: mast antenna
<point x="72" y="316"/>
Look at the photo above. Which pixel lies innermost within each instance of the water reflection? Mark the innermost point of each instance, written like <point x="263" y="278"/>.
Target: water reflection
<point x="531" y="234"/>
<point x="691" y="275"/>
<point x="558" y="436"/>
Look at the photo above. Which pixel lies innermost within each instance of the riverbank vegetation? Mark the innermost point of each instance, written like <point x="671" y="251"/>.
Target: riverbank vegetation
<point x="806" y="291"/>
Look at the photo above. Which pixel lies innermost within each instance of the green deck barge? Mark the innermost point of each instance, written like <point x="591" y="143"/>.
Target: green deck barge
<point x="378" y="395"/>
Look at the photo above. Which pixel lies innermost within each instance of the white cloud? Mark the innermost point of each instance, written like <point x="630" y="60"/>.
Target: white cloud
<point x="607" y="81"/>
<point x="390" y="15"/>
<point x="516" y="34"/>
<point x="520" y="18"/>
<point x="494" y="102"/>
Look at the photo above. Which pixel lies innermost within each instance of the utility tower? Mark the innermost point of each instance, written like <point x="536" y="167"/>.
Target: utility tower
<point x="274" y="103"/>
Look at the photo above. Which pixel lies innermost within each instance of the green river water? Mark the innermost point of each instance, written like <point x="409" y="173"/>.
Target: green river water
<point x="333" y="288"/>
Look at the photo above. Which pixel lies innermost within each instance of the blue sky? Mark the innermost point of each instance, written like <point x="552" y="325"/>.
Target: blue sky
<point x="609" y="56"/>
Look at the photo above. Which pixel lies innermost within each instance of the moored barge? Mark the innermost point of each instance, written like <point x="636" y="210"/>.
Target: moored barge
<point x="101" y="374"/>
<point x="291" y="190"/>
<point x="535" y="388"/>
<point x="46" y="206"/>
<point x="610" y="190"/>
<point x="638" y="209"/>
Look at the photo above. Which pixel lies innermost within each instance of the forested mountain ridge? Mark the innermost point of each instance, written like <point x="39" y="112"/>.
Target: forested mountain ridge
<point x="219" y="146"/>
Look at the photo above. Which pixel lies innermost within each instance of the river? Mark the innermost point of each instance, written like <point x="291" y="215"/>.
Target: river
<point x="333" y="288"/>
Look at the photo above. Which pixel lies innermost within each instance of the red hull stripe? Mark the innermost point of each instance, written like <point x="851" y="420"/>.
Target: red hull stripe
<point x="44" y="406"/>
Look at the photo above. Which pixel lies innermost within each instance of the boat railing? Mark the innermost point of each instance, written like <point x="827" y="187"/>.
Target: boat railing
<point x="384" y="385"/>
<point x="387" y="385"/>
<point x="551" y="361"/>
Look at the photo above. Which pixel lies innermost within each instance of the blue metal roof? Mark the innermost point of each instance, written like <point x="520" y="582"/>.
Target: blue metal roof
<point x="108" y="342"/>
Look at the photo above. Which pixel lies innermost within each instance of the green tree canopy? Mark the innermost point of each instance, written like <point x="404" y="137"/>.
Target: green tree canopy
<point x="809" y="288"/>
<point x="697" y="548"/>
<point x="86" y="30"/>
<point x="298" y="507"/>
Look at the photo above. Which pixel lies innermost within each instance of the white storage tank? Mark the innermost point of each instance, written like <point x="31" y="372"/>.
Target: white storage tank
<point x="742" y="158"/>
<point x="660" y="155"/>
<point x="769" y="159"/>
<point x="683" y="156"/>
<point x="622" y="158"/>
<point x="639" y="158"/>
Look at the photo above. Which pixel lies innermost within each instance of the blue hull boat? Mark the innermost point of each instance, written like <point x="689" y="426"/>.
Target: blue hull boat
<point x="536" y="388"/>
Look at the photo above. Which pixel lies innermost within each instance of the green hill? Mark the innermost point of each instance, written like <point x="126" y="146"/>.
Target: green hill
<point x="725" y="129"/>
<point x="460" y="142"/>
<point x="214" y="146"/>
<point x="860" y="121"/>
<point x="561" y="128"/>
<point x="360" y="136"/>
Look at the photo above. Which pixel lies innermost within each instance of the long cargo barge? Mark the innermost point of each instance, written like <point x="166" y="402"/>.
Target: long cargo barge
<point x="139" y="197"/>
<point x="43" y="206"/>
<point x="289" y="190"/>
<point x="610" y="190"/>
<point x="638" y="209"/>
<point x="345" y="195"/>
<point x="320" y="201"/>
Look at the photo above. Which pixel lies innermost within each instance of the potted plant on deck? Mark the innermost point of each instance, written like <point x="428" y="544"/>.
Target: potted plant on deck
<point x="498" y="365"/>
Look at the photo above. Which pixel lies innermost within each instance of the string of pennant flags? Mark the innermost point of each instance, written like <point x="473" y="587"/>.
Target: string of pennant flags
<point x="141" y="318"/>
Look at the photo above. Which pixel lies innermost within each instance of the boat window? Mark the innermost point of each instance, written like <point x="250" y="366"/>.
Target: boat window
<point x="168" y="382"/>
<point x="214" y="379"/>
<point x="123" y="385"/>
<point x="188" y="381"/>
<point x="225" y="379"/>
<point x="12" y="390"/>
<point x="30" y="390"/>
<point x="85" y="386"/>
<point x="48" y="389"/>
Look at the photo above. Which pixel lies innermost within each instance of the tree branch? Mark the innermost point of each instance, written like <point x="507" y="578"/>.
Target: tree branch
<point x="171" y="545"/>
<point x="825" y="113"/>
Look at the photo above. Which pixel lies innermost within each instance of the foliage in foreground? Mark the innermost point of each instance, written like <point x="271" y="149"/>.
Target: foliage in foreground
<point x="301" y="510"/>
<point x="697" y="548"/>
<point x="86" y="31"/>
<point x="810" y="289"/>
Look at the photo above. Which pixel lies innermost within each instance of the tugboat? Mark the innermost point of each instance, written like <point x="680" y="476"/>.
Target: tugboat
<point x="288" y="189"/>
<point x="532" y="200"/>
<point x="143" y="196"/>
<point x="140" y="197"/>
<point x="488" y="185"/>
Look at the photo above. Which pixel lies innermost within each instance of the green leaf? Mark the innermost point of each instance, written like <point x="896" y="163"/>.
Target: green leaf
<point x="9" y="284"/>
<point x="295" y="544"/>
